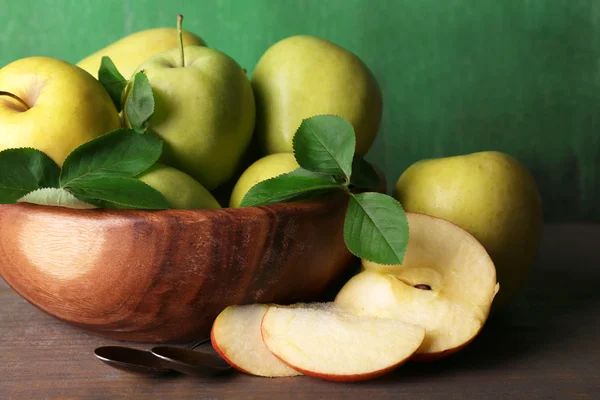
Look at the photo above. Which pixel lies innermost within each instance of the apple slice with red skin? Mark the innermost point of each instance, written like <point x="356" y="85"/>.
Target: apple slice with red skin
<point x="325" y="341"/>
<point x="446" y="284"/>
<point x="236" y="336"/>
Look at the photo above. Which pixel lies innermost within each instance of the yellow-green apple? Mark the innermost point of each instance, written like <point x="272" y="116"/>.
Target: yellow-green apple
<point x="131" y="51"/>
<point x="236" y="336"/>
<point x="446" y="284"/>
<point x="179" y="189"/>
<point x="325" y="341"/>
<point x="303" y="76"/>
<point x="489" y="194"/>
<point x="52" y="106"/>
<point x="204" y="111"/>
<point x="267" y="167"/>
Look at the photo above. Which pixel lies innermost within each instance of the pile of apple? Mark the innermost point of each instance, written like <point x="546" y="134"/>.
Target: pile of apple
<point x="474" y="220"/>
<point x="213" y="121"/>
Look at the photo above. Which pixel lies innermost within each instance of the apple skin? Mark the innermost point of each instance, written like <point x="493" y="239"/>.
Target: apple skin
<point x="204" y="113"/>
<point x="68" y="107"/>
<point x="346" y="378"/>
<point x="131" y="51"/>
<point x="429" y="357"/>
<point x="179" y="189"/>
<point x="267" y="167"/>
<point x="492" y="196"/>
<point x="302" y="76"/>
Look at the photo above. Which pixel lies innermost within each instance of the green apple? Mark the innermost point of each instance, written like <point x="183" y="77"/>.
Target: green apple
<point x="263" y="169"/>
<point x="52" y="106"/>
<point x="204" y="111"/>
<point x="131" y="51"/>
<point x="489" y="194"/>
<point x="179" y="189"/>
<point x="303" y="76"/>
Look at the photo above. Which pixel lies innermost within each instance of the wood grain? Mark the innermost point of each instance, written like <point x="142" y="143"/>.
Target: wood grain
<point x="164" y="276"/>
<point x="544" y="347"/>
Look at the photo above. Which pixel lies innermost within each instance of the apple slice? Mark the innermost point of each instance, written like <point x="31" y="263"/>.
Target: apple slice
<point x="236" y="336"/>
<point x="323" y="340"/>
<point x="446" y="284"/>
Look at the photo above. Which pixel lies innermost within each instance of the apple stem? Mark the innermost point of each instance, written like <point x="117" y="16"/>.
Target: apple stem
<point x="180" y="34"/>
<point x="15" y="97"/>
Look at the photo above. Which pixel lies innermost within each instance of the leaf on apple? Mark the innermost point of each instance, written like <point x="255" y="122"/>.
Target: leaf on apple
<point x="139" y="105"/>
<point x="24" y="170"/>
<point x="376" y="228"/>
<point x="54" y="197"/>
<point x="122" y="152"/>
<point x="124" y="191"/>
<point x="112" y="80"/>
<point x="325" y="144"/>
<point x="299" y="184"/>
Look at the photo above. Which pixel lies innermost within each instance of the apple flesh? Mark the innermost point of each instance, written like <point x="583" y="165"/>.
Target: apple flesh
<point x="325" y="341"/>
<point x="446" y="284"/>
<point x="236" y="336"/>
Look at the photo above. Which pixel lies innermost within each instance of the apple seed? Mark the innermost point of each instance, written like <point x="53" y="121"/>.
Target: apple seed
<point x="422" y="286"/>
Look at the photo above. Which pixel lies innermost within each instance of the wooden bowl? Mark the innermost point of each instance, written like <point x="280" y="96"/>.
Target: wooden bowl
<point x="157" y="276"/>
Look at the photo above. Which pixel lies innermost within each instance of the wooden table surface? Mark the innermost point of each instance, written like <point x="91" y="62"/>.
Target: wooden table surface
<point x="545" y="346"/>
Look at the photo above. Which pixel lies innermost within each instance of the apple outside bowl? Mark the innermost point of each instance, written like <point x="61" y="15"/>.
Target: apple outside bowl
<point x="164" y="276"/>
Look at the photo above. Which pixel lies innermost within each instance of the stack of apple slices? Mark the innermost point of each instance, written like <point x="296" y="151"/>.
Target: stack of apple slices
<point x="322" y="340"/>
<point x="432" y="305"/>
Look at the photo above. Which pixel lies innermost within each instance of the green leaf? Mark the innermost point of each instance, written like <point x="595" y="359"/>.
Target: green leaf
<point x="122" y="152"/>
<point x="95" y="202"/>
<point x="325" y="144"/>
<point x="24" y="170"/>
<point x="112" y="80"/>
<point x="139" y="105"/>
<point x="376" y="228"/>
<point x="364" y="176"/>
<point x="299" y="184"/>
<point x="54" y="197"/>
<point x="128" y="192"/>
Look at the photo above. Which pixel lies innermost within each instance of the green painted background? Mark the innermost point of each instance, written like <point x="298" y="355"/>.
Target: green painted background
<point x="519" y="76"/>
